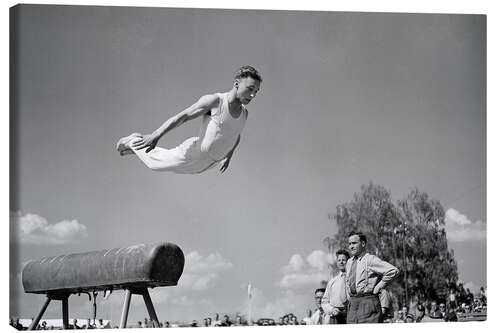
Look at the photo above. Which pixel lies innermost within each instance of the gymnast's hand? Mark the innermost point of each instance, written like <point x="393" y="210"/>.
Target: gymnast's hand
<point x="224" y="164"/>
<point x="148" y="140"/>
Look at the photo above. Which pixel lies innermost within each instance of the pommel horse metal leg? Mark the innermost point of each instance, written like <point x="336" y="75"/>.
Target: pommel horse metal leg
<point x="150" y="307"/>
<point x="65" y="314"/>
<point x="34" y="323"/>
<point x="126" y="307"/>
<point x="63" y="297"/>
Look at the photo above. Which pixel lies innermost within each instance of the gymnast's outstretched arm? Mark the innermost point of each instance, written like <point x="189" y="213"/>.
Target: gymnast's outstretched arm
<point x="198" y="109"/>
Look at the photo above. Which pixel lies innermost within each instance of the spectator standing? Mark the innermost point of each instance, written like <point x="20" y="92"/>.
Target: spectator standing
<point x="74" y="325"/>
<point x="452" y="299"/>
<point x="334" y="301"/>
<point x="461" y="294"/>
<point x="404" y="309"/>
<point x="419" y="312"/>
<point x="100" y="324"/>
<point x="470" y="297"/>
<point x="367" y="274"/>
<point x="448" y="314"/>
<point x="477" y="305"/>
<point x="385" y="298"/>
<point x="442" y="309"/>
<point x="226" y="321"/>
<point x="318" y="317"/>
<point x="400" y="317"/>
<point x="89" y="325"/>
<point x="307" y="319"/>
<point x="17" y="325"/>
<point x="239" y="321"/>
<point x="482" y="295"/>
<point x="435" y="312"/>
<point x="216" y="321"/>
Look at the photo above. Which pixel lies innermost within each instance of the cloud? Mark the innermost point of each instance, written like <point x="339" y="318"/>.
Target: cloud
<point x="460" y="228"/>
<point x="301" y="280"/>
<point x="300" y="273"/>
<point x="34" y="229"/>
<point x="318" y="260"/>
<point x="201" y="272"/>
<point x="296" y="264"/>
<point x="213" y="262"/>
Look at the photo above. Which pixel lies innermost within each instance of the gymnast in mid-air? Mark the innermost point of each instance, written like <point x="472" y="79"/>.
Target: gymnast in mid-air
<point x="223" y="118"/>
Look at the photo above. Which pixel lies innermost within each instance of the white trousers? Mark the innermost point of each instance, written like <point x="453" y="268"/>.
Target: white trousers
<point x="187" y="158"/>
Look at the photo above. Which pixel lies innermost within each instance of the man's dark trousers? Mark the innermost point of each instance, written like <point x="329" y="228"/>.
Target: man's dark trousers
<point x="364" y="309"/>
<point x="338" y="319"/>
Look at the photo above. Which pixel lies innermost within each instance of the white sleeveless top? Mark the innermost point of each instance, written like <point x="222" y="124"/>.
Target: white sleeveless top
<point x="220" y="130"/>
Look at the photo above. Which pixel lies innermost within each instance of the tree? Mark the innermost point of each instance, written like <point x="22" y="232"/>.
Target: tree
<point x="371" y="212"/>
<point x="431" y="267"/>
<point x="409" y="234"/>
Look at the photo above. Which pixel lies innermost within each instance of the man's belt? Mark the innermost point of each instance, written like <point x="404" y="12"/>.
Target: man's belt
<point x="364" y="295"/>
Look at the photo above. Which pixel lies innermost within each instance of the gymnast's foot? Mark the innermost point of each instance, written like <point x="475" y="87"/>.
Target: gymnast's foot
<point x="123" y="144"/>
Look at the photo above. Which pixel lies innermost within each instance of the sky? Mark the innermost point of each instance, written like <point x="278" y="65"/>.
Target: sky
<point x="347" y="98"/>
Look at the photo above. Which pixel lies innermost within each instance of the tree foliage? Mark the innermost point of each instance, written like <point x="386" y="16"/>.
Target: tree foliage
<point x="408" y="233"/>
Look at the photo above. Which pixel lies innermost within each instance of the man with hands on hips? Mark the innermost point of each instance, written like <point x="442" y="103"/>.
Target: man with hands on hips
<point x="366" y="275"/>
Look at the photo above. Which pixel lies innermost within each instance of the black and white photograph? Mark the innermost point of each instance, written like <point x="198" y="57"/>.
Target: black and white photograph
<point x="200" y="167"/>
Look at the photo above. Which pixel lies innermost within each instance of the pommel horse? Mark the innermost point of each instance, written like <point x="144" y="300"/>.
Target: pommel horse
<point x="134" y="269"/>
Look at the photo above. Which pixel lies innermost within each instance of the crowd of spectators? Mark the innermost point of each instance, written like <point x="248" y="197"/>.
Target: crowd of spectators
<point x="457" y="302"/>
<point x="43" y="325"/>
